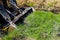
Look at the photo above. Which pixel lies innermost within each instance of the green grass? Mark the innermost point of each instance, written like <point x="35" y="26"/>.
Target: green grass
<point x="39" y="25"/>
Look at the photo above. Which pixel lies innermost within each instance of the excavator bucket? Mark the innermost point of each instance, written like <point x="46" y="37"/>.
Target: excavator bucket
<point x="10" y="17"/>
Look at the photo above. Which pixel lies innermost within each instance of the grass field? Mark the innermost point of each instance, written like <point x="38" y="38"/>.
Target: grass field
<point x="39" y="25"/>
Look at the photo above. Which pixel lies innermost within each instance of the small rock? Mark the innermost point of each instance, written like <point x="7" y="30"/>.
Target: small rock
<point x="0" y="38"/>
<point x="58" y="34"/>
